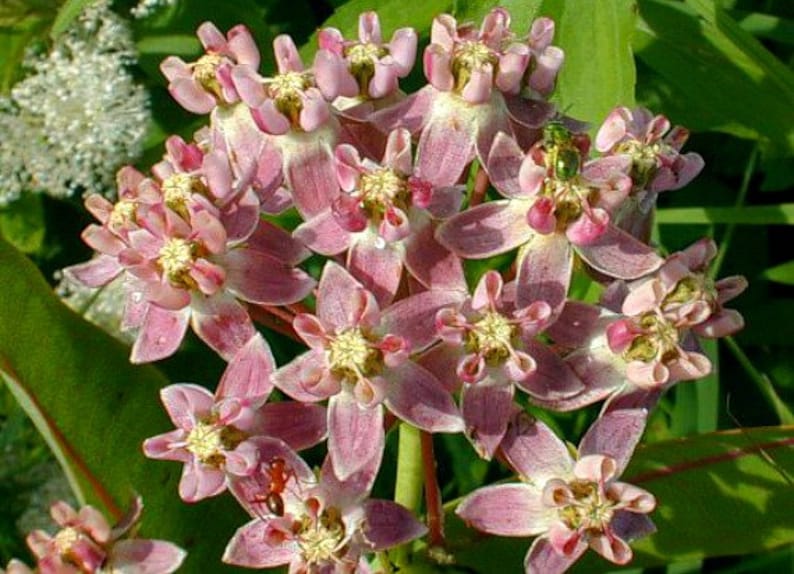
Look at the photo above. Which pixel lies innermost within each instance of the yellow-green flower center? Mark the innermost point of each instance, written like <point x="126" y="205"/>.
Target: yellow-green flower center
<point x="123" y="213"/>
<point x="65" y="539"/>
<point x="492" y="336"/>
<point x="209" y="442"/>
<point x="177" y="189"/>
<point x="351" y="356"/>
<point x="320" y="540"/>
<point x="175" y="258"/>
<point x="660" y="340"/>
<point x="590" y="511"/>
<point x="467" y="57"/>
<point x="286" y="90"/>
<point x="204" y="70"/>
<point x="381" y="189"/>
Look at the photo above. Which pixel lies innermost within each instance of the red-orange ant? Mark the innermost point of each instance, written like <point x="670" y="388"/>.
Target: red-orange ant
<point x="279" y="474"/>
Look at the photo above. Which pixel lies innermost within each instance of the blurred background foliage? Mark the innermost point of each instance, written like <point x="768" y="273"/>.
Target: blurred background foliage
<point x="723" y="69"/>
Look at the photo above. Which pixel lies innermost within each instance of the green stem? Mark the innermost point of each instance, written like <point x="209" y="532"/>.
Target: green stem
<point x="762" y="382"/>
<point x="408" y="490"/>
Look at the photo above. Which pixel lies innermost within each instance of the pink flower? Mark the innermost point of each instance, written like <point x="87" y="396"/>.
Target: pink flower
<point x="324" y="525"/>
<point x="86" y="544"/>
<point x="214" y="432"/>
<point x="359" y="358"/>
<point x="568" y="503"/>
<point x="474" y="92"/>
<point x="556" y="204"/>
<point x="383" y="220"/>
<point x="206" y="83"/>
<point x="488" y="344"/>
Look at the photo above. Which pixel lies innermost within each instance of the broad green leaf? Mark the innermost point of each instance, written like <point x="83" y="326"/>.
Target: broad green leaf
<point x="783" y="273"/>
<point x="697" y="405"/>
<point x="22" y="223"/>
<point x="67" y="13"/>
<point x="95" y="409"/>
<point x="766" y="26"/>
<point x="724" y="493"/>
<point x="782" y="214"/>
<point x="522" y="12"/>
<point x="169" y="45"/>
<point x="715" y="75"/>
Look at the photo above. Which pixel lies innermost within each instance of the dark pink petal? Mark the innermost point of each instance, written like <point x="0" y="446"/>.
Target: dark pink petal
<point x="528" y="113"/>
<point x="552" y="378"/>
<point x="145" y="557"/>
<point x="223" y="323"/>
<point x="442" y="360"/>
<point x="269" y="119"/>
<point x="576" y="324"/>
<point x="351" y="491"/>
<point x="191" y="96"/>
<point x="730" y="287"/>
<point x="341" y="301"/>
<point x="416" y="396"/>
<point x="486" y="128"/>
<point x="99" y="271"/>
<point x="259" y="278"/>
<point x="241" y="217"/>
<point x="437" y="66"/>
<point x="535" y="452"/>
<point x="631" y="498"/>
<point x="199" y="482"/>
<point x="186" y="403"/>
<point x="306" y="378"/>
<point x="161" y="333"/>
<point x="249" y="371"/>
<point x="631" y="526"/>
<point x="542" y="558"/>
<point x="299" y="425"/>
<point x="611" y="547"/>
<point x="487" y="229"/>
<point x="410" y="113"/>
<point x="379" y="268"/>
<point x="387" y="524"/>
<point x="355" y="433"/>
<point x="725" y="322"/>
<point x="487" y="408"/>
<point x="588" y="227"/>
<point x="413" y="318"/>
<point x="615" y="434"/>
<point x="445" y="148"/>
<point x="541" y="216"/>
<point x="545" y="264"/>
<point x="619" y="255"/>
<point x="504" y="162"/>
<point x="310" y="173"/>
<point x="252" y="547"/>
<point x="506" y="510"/>
<point x="430" y="263"/>
<point x="315" y="111"/>
<point x="276" y="242"/>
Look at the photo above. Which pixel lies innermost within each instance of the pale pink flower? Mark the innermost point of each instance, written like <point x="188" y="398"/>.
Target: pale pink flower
<point x="206" y="83"/>
<point x="384" y="220"/>
<point x="569" y="503"/>
<point x="216" y="433"/>
<point x="359" y="359"/>
<point x="86" y="544"/>
<point x="324" y="525"/>
<point x="557" y="204"/>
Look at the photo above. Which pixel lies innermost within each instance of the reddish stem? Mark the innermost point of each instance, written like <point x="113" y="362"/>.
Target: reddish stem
<point x="275" y="318"/>
<point x="435" y="511"/>
<point x="480" y="187"/>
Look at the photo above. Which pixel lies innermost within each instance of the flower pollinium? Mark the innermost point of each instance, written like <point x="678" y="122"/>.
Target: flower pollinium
<point x="205" y="72"/>
<point x="178" y="188"/>
<point x="123" y="214"/>
<point x="287" y="90"/>
<point x="208" y="441"/>
<point x="320" y="538"/>
<point x="586" y="508"/>
<point x="644" y="159"/>
<point x="491" y="337"/>
<point x="659" y="339"/>
<point x="362" y="57"/>
<point x="467" y="57"/>
<point x="352" y="356"/>
<point x="175" y="259"/>
<point x="380" y="191"/>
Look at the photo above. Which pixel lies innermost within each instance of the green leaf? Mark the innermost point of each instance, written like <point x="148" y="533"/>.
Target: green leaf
<point x="783" y="273"/>
<point x="766" y="26"/>
<point x="725" y="493"/>
<point x="95" y="409"/>
<point x="169" y="45"/>
<point x="522" y="12"/>
<point x="598" y="73"/>
<point x="68" y="12"/>
<point x="782" y="214"/>
<point x="696" y="406"/>
<point x="715" y="75"/>
<point x="22" y="223"/>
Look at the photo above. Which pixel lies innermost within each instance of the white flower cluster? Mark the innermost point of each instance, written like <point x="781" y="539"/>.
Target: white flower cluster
<point x="78" y="116"/>
<point x="146" y="8"/>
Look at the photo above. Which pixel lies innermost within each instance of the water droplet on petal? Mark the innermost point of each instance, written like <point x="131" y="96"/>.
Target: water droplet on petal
<point x="380" y="243"/>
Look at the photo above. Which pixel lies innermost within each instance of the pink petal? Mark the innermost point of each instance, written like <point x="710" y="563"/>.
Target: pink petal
<point x="191" y="96"/>
<point x="145" y="557"/>
<point x="612" y="131"/>
<point x="199" y="482"/>
<point x="276" y="242"/>
<point x="337" y="305"/>
<point x="403" y="49"/>
<point x="534" y="451"/>
<point x="416" y="396"/>
<point x="306" y="378"/>
<point x="259" y="278"/>
<point x="619" y="255"/>
<point x="243" y="46"/>
<point x="542" y="558"/>
<point x="512" y="65"/>
<point x="269" y="119"/>
<point x="545" y="265"/>
<point x="576" y="324"/>
<point x="310" y="173"/>
<point x="379" y="269"/>
<point x="248" y="373"/>
<point x="478" y="89"/>
<point x="413" y="318"/>
<point x="332" y="76"/>
<point x="588" y="227"/>
<point x="429" y="262"/>
<point x="251" y="547"/>
<point x="355" y="433"/>
<point x="487" y="229"/>
<point x="315" y="111"/>
<point x="631" y="498"/>
<point x="410" y="113"/>
<point x="506" y="510"/>
<point x="102" y="239"/>
<point x="611" y="547"/>
<point x="504" y="162"/>
<point x="552" y="378"/>
<point x="725" y="322"/>
<point x="437" y="66"/>
<point x="353" y="489"/>
<point x="387" y="524"/>
<point x="186" y="403"/>
<point x="299" y="425"/>
<point x="99" y="271"/>
<point x="615" y="434"/>
<point x="631" y="526"/>
<point x="161" y="333"/>
<point x="486" y="410"/>
<point x="286" y="55"/>
<point x="164" y="446"/>
<point x="445" y="148"/>
<point x="222" y="323"/>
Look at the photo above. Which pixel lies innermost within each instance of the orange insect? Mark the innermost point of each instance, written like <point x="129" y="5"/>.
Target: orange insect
<point x="279" y="474"/>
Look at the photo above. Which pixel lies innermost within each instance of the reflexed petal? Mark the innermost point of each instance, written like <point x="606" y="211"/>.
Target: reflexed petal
<point x="611" y="547"/>
<point x="144" y="557"/>
<point x="615" y="434"/>
<point x="619" y="255"/>
<point x="506" y="510"/>
<point x="243" y="46"/>
<point x="248" y="373"/>
<point x="191" y="96"/>
<point x="286" y="54"/>
<point x="413" y="318"/>
<point x="161" y="333"/>
<point x="186" y="403"/>
<point x="199" y="482"/>
<point x="355" y="433"/>
<point x="631" y="498"/>
<point x="416" y="396"/>
<point x="445" y="148"/>
<point x="306" y="378"/>
<point x="222" y="323"/>
<point x="251" y="547"/>
<point x="588" y="228"/>
<point x="486" y="411"/>
<point x="388" y="524"/>
<point x="99" y="271"/>
<point x="535" y="452"/>
<point x="378" y="268"/>
<point x="545" y="265"/>
<point x="297" y="424"/>
<point x="163" y="447"/>
<point x="487" y="229"/>
<point x="341" y="301"/>
<point x="542" y="558"/>
<point x="552" y="378"/>
<point x="258" y="278"/>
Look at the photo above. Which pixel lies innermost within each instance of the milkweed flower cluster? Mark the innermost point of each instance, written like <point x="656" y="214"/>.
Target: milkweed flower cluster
<point x="78" y="115"/>
<point x="393" y="330"/>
